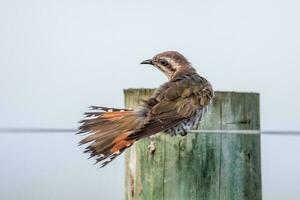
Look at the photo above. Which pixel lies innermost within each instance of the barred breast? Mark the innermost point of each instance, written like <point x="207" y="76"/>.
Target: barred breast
<point x="186" y="125"/>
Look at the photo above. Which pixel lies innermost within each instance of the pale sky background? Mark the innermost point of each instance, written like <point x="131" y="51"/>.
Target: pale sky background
<point x="58" y="57"/>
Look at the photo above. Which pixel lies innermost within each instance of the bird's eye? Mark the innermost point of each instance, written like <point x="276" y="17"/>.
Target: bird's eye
<point x="163" y="62"/>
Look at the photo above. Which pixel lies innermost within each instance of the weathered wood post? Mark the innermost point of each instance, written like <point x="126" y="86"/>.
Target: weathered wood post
<point x="216" y="165"/>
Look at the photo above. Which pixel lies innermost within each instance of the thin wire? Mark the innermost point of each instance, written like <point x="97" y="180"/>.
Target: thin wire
<point x="37" y="130"/>
<point x="69" y="130"/>
<point x="227" y="131"/>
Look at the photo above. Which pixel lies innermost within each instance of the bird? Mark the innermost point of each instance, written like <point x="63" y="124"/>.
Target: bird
<point x="174" y="108"/>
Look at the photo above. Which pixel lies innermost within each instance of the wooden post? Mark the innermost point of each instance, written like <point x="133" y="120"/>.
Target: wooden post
<point x="205" y="166"/>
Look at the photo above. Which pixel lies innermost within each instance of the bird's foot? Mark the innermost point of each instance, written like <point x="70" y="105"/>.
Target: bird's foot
<point x="184" y="133"/>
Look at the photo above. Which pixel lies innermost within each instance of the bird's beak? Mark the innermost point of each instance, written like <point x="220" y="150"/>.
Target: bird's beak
<point x="149" y="62"/>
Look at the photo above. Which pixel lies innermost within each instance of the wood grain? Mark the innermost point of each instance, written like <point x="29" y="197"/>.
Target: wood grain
<point x="208" y="166"/>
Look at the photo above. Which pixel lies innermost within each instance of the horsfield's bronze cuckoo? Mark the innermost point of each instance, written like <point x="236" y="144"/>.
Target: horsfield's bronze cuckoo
<point x="174" y="108"/>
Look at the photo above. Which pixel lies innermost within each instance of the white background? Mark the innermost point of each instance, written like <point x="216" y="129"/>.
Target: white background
<point x="58" y="57"/>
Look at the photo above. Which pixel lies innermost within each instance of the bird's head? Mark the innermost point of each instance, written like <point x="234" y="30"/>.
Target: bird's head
<point x="171" y="63"/>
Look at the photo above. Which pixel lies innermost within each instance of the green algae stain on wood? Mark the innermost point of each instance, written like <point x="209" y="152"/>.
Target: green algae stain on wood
<point x="240" y="169"/>
<point x="192" y="163"/>
<point x="144" y="171"/>
<point x="208" y="166"/>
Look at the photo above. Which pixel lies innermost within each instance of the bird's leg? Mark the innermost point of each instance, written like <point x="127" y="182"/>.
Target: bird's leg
<point x="172" y="133"/>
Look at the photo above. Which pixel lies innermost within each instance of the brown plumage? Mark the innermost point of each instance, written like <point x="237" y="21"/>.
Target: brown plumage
<point x="174" y="108"/>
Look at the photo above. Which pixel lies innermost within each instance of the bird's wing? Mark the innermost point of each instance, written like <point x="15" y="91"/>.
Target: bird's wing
<point x="176" y="101"/>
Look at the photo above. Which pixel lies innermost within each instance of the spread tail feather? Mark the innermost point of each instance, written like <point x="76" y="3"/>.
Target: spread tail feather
<point x="107" y="132"/>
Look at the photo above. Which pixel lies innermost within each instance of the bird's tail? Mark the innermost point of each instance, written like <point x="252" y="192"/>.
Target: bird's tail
<point x="107" y="131"/>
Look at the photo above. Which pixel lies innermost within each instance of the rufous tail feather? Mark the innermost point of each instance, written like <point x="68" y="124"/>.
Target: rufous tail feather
<point x="107" y="131"/>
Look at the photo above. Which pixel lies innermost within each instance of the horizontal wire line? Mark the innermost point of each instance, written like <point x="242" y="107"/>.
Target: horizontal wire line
<point x="36" y="130"/>
<point x="69" y="130"/>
